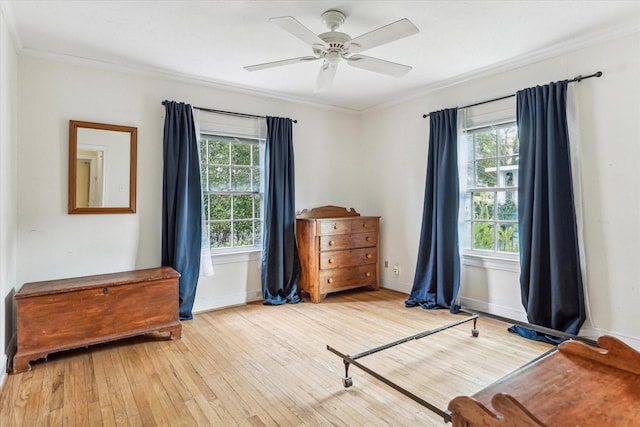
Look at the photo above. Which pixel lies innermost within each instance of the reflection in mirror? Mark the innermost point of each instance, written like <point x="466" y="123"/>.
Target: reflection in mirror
<point x="102" y="168"/>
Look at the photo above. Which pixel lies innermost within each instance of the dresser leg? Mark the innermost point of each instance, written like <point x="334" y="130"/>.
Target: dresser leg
<point x="175" y="333"/>
<point x="21" y="364"/>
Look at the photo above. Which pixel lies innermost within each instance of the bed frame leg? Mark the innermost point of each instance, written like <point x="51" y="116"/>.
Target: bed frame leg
<point x="346" y="381"/>
<point x="475" y="332"/>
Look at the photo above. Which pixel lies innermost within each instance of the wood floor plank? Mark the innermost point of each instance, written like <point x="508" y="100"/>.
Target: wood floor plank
<point x="257" y="365"/>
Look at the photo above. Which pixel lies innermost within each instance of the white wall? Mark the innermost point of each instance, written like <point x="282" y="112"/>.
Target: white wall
<point x="8" y="150"/>
<point x="53" y="244"/>
<point x="395" y="144"/>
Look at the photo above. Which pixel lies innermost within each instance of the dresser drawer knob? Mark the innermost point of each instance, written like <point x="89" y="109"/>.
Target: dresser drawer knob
<point x="364" y="225"/>
<point x="368" y="239"/>
<point x="335" y="226"/>
<point x="331" y="243"/>
<point x="105" y="290"/>
<point x="368" y="274"/>
<point x="369" y="256"/>
<point x="330" y="280"/>
<point x="331" y="260"/>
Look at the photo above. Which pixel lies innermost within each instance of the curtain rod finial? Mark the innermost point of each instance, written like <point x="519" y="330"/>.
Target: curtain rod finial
<point x="599" y="74"/>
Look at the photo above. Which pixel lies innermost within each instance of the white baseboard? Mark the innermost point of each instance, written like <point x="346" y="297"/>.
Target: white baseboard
<point x="499" y="310"/>
<point x="207" y="304"/>
<point x="592" y="332"/>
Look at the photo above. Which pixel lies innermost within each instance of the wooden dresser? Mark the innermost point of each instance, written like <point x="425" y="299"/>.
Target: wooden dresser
<point x="70" y="313"/>
<point x="338" y="250"/>
<point x="576" y="385"/>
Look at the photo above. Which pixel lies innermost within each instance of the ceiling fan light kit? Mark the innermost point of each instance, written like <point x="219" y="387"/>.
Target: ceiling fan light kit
<point x="333" y="46"/>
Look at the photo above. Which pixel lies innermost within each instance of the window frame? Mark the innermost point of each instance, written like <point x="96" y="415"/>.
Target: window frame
<point x="210" y="135"/>
<point x="471" y="255"/>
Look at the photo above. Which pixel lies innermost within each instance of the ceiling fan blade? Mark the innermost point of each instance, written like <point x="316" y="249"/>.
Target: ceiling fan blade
<point x="294" y="27"/>
<point x="325" y="78"/>
<point x="279" y="63"/>
<point x="392" y="32"/>
<point x="378" y="65"/>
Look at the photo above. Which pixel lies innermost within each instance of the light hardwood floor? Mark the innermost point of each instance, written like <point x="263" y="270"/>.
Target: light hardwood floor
<point x="259" y="365"/>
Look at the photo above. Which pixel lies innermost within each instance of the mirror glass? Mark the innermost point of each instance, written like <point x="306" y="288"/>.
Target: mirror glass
<point x="102" y="168"/>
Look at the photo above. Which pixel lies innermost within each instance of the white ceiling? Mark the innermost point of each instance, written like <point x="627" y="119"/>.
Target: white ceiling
<point x="212" y="40"/>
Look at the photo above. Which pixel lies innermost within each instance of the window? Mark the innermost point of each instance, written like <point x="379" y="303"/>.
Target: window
<point x="231" y="170"/>
<point x="490" y="203"/>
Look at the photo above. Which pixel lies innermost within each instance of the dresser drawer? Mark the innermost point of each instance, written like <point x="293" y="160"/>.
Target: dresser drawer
<point x="339" y="259"/>
<point x="333" y="226"/>
<point x="364" y="225"/>
<point x="349" y="277"/>
<point x="346" y="241"/>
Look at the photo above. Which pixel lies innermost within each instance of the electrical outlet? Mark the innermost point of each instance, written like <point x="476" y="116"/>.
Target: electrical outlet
<point x="396" y="270"/>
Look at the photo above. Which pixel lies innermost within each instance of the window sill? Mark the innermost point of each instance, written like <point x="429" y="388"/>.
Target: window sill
<point x="235" y="257"/>
<point x="491" y="262"/>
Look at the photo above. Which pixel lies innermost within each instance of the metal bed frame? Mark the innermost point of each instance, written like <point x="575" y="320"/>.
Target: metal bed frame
<point x="349" y="360"/>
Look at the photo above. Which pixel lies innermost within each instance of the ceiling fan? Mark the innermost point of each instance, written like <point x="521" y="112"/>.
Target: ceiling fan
<point x="334" y="46"/>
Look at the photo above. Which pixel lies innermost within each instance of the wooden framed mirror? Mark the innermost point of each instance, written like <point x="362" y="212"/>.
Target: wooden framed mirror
<point x="102" y="168"/>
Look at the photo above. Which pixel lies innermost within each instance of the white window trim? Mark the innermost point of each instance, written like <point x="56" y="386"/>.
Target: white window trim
<point x="492" y="262"/>
<point x="233" y="257"/>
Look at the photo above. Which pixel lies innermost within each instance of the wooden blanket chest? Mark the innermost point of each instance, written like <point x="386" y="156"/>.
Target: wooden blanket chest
<point x="63" y="314"/>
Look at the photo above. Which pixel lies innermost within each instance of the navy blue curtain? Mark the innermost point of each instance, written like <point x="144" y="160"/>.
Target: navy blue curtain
<point x="181" y="202"/>
<point x="550" y="274"/>
<point x="437" y="277"/>
<point x="280" y="260"/>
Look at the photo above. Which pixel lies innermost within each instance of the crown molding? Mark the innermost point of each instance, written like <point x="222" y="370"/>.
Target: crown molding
<point x="178" y="77"/>
<point x="629" y="27"/>
<point x="7" y="11"/>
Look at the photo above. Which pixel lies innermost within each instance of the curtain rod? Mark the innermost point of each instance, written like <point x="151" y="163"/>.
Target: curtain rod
<point x="575" y="79"/>
<point x="229" y="113"/>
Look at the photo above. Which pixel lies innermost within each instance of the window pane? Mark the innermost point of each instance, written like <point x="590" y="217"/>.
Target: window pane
<point x="241" y="154"/>
<point x="240" y="179"/>
<point x="507" y="206"/>
<point x="508" y="238"/>
<point x="220" y="206"/>
<point x="243" y="206"/>
<point x="205" y="203"/>
<point x="486" y="173"/>
<point x="202" y="149"/>
<point x="255" y="179"/>
<point x="467" y="199"/>
<point x="508" y="141"/>
<point x="255" y="148"/>
<point x="258" y="205"/>
<point x="218" y="178"/>
<point x="257" y="229"/>
<point x="218" y="153"/>
<point x="243" y="233"/>
<point x="220" y="234"/>
<point x="483" y="235"/>
<point x="508" y="172"/>
<point x="483" y="205"/>
<point x="471" y="175"/>
<point x="465" y="238"/>
<point x="485" y="144"/>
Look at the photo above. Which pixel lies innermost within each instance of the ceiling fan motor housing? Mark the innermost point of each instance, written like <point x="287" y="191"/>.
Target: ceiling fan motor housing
<point x="333" y="19"/>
